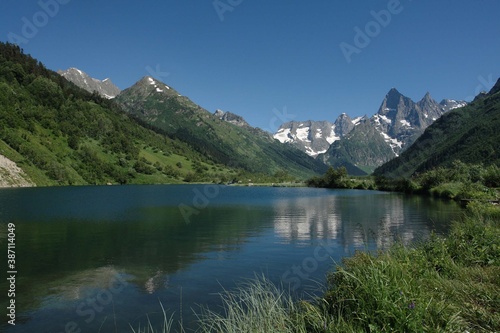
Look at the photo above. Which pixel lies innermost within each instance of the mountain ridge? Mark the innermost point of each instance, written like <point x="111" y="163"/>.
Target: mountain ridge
<point x="362" y="143"/>
<point x="105" y="88"/>
<point x="469" y="134"/>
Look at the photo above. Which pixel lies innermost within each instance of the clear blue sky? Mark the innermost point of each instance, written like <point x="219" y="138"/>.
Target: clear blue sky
<point x="251" y="57"/>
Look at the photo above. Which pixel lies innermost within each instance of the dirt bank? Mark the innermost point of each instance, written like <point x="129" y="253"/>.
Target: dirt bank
<point x="11" y="175"/>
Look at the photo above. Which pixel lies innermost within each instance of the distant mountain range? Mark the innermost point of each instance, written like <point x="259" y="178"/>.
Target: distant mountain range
<point x="150" y="133"/>
<point x="362" y="144"/>
<point x="105" y="88"/>
<point x="469" y="134"/>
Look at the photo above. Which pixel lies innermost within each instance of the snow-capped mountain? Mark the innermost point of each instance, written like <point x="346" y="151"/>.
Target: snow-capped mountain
<point x="397" y="124"/>
<point x="105" y="88"/>
<point x="315" y="137"/>
<point x="364" y="142"/>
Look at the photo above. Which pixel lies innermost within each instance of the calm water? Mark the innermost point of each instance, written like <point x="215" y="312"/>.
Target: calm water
<point x="101" y="258"/>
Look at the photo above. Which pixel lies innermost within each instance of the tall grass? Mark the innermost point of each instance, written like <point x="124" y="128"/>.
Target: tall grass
<point x="258" y="306"/>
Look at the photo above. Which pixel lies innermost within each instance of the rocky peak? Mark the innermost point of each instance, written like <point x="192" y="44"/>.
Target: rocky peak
<point x="343" y="125"/>
<point x="105" y="88"/>
<point x="392" y="99"/>
<point x="428" y="103"/>
<point x="231" y="118"/>
<point x="450" y="104"/>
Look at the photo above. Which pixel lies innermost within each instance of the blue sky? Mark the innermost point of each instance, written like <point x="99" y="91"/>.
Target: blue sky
<point x="270" y="61"/>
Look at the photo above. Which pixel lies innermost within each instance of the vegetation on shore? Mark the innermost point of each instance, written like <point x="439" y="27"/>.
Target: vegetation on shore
<point x="459" y="182"/>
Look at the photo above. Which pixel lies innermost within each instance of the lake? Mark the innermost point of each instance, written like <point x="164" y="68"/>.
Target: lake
<point x="99" y="259"/>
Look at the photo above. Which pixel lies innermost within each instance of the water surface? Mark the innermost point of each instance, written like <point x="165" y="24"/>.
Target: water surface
<point x="101" y="258"/>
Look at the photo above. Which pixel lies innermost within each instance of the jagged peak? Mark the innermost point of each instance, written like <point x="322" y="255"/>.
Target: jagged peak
<point x="105" y="88"/>
<point x="427" y="99"/>
<point x="344" y="115"/>
<point x="394" y="92"/>
<point x="219" y="113"/>
<point x="391" y="101"/>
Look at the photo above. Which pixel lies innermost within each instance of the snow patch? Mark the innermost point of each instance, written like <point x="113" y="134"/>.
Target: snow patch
<point x="356" y="121"/>
<point x="459" y="105"/>
<point x="318" y="133"/>
<point x="392" y="142"/>
<point x="310" y="152"/>
<point x="384" y="118"/>
<point x="405" y="122"/>
<point x="303" y="133"/>
<point x="332" y="137"/>
<point x="283" y="135"/>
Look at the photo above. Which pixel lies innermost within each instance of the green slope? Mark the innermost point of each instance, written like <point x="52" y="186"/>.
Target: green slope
<point x="59" y="134"/>
<point x="360" y="151"/>
<point x="237" y="146"/>
<point x="470" y="134"/>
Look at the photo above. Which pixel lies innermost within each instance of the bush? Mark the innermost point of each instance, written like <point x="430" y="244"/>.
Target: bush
<point x="491" y="176"/>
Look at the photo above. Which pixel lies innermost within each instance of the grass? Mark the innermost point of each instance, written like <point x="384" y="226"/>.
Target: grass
<point x="258" y="306"/>
<point x="449" y="284"/>
<point x="444" y="284"/>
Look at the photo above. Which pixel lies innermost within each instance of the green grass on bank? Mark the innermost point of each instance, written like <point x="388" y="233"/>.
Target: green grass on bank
<point x="447" y="284"/>
<point x="444" y="284"/>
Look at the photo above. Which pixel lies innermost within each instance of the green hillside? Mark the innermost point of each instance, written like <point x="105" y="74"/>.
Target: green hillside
<point x="61" y="135"/>
<point x="242" y="147"/>
<point x="360" y="151"/>
<point x="470" y="134"/>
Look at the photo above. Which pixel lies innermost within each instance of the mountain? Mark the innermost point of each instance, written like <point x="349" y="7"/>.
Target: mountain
<point x="315" y="137"/>
<point x="55" y="133"/>
<point x="398" y="122"/>
<point x="469" y="134"/>
<point x="231" y="118"/>
<point x="221" y="137"/>
<point x="105" y="88"/>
